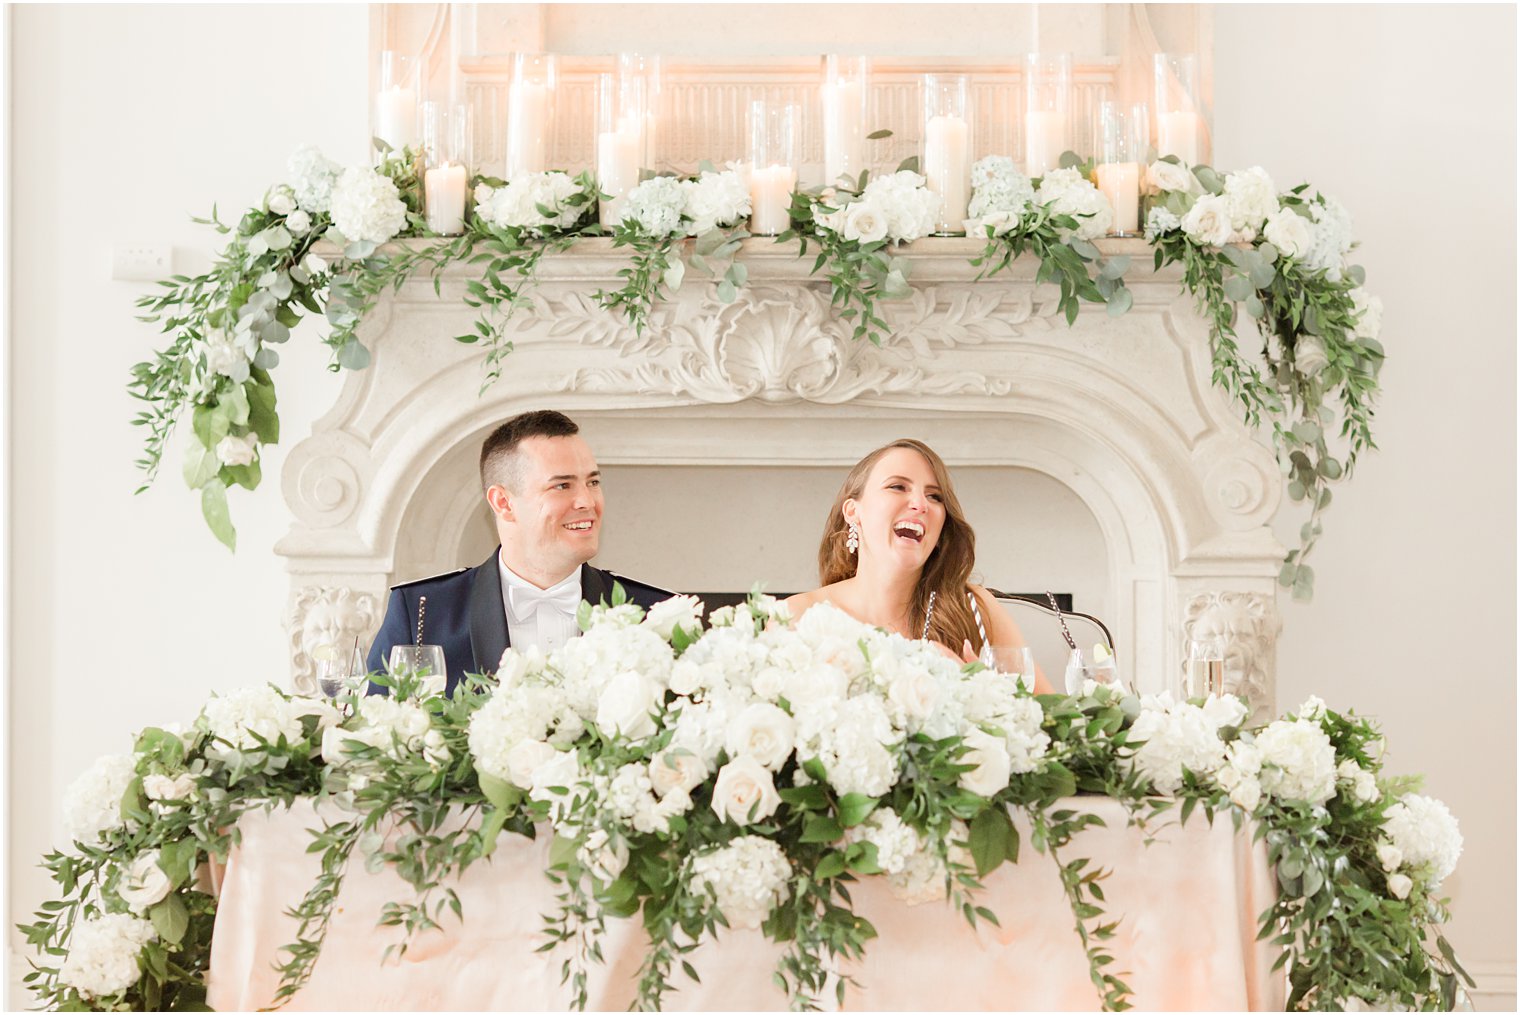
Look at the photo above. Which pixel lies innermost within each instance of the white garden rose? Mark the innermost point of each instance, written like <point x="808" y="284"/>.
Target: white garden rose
<point x="1309" y="355"/>
<point x="1399" y="885"/>
<point x="1207" y="223"/>
<point x="603" y="858"/>
<point x="990" y="756"/>
<point x="298" y="222"/>
<point x="162" y="787"/>
<point x="144" y="883"/>
<point x="1297" y="761"/>
<point x="747" y="879"/>
<point x="1163" y="176"/>
<point x="312" y="176"/>
<point x="1426" y="835"/>
<point x="744" y="792"/>
<point x="367" y="207"/>
<point x="92" y="803"/>
<point x="915" y="693"/>
<point x="1225" y="711"/>
<point x="627" y="705"/>
<point x="1389" y="856"/>
<point x="524" y="759"/>
<point x="676" y="769"/>
<point x="236" y="451"/>
<point x="763" y="732"/>
<point x="1369" y="313"/>
<point x="1362" y="782"/>
<point x="864" y="222"/>
<point x="677" y="611"/>
<point x="1289" y="232"/>
<point x="281" y="200"/>
<point x="561" y="772"/>
<point x="104" y="953"/>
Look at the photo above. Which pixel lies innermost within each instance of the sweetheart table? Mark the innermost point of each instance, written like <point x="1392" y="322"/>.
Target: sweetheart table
<point x="1189" y="904"/>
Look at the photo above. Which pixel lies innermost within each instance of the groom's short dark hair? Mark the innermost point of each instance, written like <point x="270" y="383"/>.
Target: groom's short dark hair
<point x="498" y="454"/>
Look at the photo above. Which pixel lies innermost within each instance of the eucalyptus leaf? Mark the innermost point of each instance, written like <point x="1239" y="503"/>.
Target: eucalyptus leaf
<point x="214" y="510"/>
<point x="1120" y="302"/>
<point x="266" y="359"/>
<point x="353" y="355"/>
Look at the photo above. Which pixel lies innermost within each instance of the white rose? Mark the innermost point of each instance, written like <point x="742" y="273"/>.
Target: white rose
<point x="915" y="692"/>
<point x="1246" y="793"/>
<point x="1164" y="176"/>
<point x="298" y="222"/>
<point x="1312" y="708"/>
<point x="314" y="264"/>
<point x="1369" y="313"/>
<point x="1309" y="355"/>
<point x="1399" y="885"/>
<point x="763" y="732"/>
<point x="525" y="758"/>
<point x="1225" y="711"/>
<point x="993" y="767"/>
<point x="1289" y="232"/>
<point x="144" y="883"/>
<point x="744" y="792"/>
<point x="604" y="860"/>
<point x="864" y="222"/>
<point x="237" y="451"/>
<point x="1390" y="856"/>
<point x="678" y="611"/>
<point x="626" y="705"/>
<point x="1208" y="222"/>
<point x="676" y="770"/>
<point x="282" y="200"/>
<point x="161" y="787"/>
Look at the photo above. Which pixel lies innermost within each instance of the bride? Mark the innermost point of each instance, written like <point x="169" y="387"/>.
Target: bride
<point x="897" y="552"/>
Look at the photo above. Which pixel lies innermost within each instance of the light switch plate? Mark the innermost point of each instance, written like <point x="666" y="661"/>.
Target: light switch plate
<point x="142" y="262"/>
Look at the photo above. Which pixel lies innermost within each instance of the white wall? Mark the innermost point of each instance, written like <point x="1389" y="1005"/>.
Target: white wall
<point x="125" y="612"/>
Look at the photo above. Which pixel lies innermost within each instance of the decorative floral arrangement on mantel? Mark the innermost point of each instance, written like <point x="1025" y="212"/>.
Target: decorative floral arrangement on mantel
<point x="1279" y="257"/>
<point x="741" y="776"/>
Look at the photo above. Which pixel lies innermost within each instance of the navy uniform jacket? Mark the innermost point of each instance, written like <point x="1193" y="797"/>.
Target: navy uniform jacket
<point x="466" y="616"/>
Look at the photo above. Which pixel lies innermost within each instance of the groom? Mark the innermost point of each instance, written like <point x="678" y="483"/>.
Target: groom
<point x="545" y="493"/>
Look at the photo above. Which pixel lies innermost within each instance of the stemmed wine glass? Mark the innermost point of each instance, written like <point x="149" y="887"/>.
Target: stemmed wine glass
<point x="1015" y="660"/>
<point x="423" y="663"/>
<point x="1099" y="666"/>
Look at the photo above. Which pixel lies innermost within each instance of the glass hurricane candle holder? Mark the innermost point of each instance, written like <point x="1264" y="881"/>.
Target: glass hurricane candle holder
<point x="947" y="148"/>
<point x="446" y="136"/>
<point x="393" y="117"/>
<point x="530" y="113"/>
<point x="1180" y="127"/>
<point x="1123" y="142"/>
<point x="639" y="74"/>
<point x="772" y="156"/>
<point x="1047" y="111"/>
<point x="844" y="93"/>
<point x="619" y="142"/>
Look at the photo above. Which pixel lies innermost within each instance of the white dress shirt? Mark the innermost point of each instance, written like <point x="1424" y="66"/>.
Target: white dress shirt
<point x="542" y="617"/>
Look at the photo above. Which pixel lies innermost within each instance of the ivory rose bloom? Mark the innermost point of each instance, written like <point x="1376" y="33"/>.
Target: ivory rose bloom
<point x="1289" y="232"/>
<point x="1163" y="176"/>
<point x="676" y="769"/>
<point x="744" y="792"/>
<point x="1208" y="221"/>
<point x="627" y="704"/>
<point x="525" y="758"/>
<point x="993" y="766"/>
<point x="763" y="732"/>
<point x="161" y="787"/>
<point x="144" y="883"/>
<point x="863" y="221"/>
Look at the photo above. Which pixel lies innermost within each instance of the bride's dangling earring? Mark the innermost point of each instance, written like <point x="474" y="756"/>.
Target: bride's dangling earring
<point x="852" y="541"/>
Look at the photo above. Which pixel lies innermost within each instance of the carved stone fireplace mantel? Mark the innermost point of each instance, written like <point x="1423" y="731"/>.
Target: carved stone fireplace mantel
<point x="1120" y="410"/>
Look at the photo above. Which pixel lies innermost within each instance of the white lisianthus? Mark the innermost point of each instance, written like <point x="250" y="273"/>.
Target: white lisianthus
<point x="1426" y="835"/>
<point x="747" y="879"/>
<point x="1369" y="313"/>
<point x="1000" y="222"/>
<point x="744" y="792"/>
<point x="395" y="728"/>
<point x="673" y="769"/>
<point x="1208" y="223"/>
<point x="715" y="200"/>
<point x="1399" y="885"/>
<point x="602" y="857"/>
<point x="990" y="756"/>
<point x="298" y="222"/>
<point x="144" y="883"/>
<point x="895" y="841"/>
<point x="1289" y="232"/>
<point x="1174" y="738"/>
<point x="1297" y="761"/>
<point x="1252" y="198"/>
<point x="366" y="206"/>
<point x="763" y="732"/>
<point x="237" y="451"/>
<point x="1309" y="355"/>
<point x="1159" y="222"/>
<point x="312" y="176"/>
<point x="1225" y="711"/>
<point x="1163" y="176"/>
<point x="723" y="616"/>
<point x="1068" y="192"/>
<point x="1390" y="857"/>
<point x="677" y="611"/>
<point x="281" y="199"/>
<point x="628" y="704"/>
<point x="104" y="954"/>
<point x="161" y="787"/>
<point x="1362" y="782"/>
<point x="518" y="204"/>
<point x="92" y="803"/>
<point x="864" y="222"/>
<point x="656" y="205"/>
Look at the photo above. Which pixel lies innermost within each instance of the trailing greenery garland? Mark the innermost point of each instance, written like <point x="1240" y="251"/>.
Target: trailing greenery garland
<point x="651" y="824"/>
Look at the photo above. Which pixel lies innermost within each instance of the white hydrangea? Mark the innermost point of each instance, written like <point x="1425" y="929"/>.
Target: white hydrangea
<point x="896" y="842"/>
<point x="615" y="644"/>
<point x="104" y="954"/>
<point x="854" y="740"/>
<point x="656" y="206"/>
<point x="1297" y="761"/>
<point x="312" y="176"/>
<point x="1000" y="195"/>
<point x="92" y="803"/>
<point x="516" y="206"/>
<point x="229" y="352"/>
<point x="910" y="209"/>
<point x="630" y="797"/>
<point x="747" y="879"/>
<point x="924" y="873"/>
<point x="1426" y="835"/>
<point x="1332" y="236"/>
<point x="1068" y="192"/>
<point x="243" y="717"/>
<point x="526" y="713"/>
<point x="1176" y="736"/>
<point x="714" y="200"/>
<point x="1252" y="198"/>
<point x="394" y="728"/>
<point x="1159" y="222"/>
<point x="366" y="206"/>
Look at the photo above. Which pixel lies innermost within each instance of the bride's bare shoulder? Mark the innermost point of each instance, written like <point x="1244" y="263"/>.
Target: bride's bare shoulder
<point x="803" y="601"/>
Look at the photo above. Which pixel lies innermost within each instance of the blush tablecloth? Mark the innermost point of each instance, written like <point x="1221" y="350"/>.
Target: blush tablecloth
<point x="1189" y="904"/>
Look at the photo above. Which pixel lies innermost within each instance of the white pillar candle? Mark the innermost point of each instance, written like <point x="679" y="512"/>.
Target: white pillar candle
<point x="617" y="170"/>
<point x="1044" y="141"/>
<point x="396" y="116"/>
<point x="1178" y="134"/>
<point x="527" y="129"/>
<point x="947" y="168"/>
<point x="443" y="197"/>
<point x="1120" y="183"/>
<point x="770" y="195"/>
<point x="843" y="131"/>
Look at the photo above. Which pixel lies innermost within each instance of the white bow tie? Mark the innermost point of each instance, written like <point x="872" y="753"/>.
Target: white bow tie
<point x="524" y="602"/>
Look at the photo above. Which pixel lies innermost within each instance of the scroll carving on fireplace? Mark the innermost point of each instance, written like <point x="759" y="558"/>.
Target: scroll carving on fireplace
<point x="326" y="619"/>
<point x="1248" y="623"/>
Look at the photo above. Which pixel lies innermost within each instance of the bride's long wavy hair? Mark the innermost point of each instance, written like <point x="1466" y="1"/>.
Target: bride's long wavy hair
<point x="946" y="571"/>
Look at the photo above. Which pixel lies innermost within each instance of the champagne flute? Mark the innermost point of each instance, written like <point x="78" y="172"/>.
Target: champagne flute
<point x="1204" y="667"/>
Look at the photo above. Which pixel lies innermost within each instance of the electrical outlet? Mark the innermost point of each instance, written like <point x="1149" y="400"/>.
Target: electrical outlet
<point x="142" y="262"/>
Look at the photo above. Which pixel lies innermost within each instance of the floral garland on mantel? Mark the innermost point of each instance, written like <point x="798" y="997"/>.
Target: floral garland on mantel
<point x="1243" y="246"/>
<point x="740" y="776"/>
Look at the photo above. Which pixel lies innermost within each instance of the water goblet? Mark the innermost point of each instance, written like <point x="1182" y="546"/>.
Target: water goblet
<point x="1098" y="666"/>
<point x="1017" y="660"/>
<point x="423" y="663"/>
